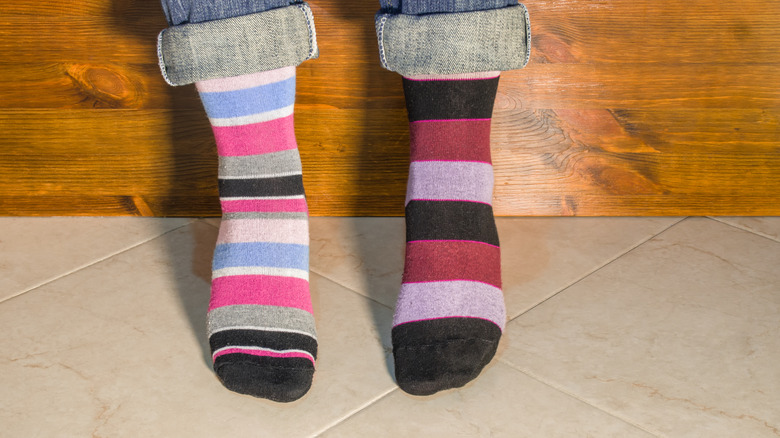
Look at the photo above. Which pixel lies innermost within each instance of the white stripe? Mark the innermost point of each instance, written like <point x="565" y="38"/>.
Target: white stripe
<point x="269" y="175"/>
<point x="249" y="198"/>
<point x="253" y="118"/>
<point x="265" y="329"/>
<point x="254" y="348"/>
<point x="261" y="270"/>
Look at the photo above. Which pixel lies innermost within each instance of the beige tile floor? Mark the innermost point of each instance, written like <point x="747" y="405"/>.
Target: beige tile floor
<point x="625" y="327"/>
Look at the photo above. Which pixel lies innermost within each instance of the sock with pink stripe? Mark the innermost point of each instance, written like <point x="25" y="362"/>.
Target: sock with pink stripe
<point x="450" y="313"/>
<point x="260" y="323"/>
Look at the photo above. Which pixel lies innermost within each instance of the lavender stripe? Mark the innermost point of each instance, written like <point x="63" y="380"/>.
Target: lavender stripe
<point x="443" y="299"/>
<point x="450" y="180"/>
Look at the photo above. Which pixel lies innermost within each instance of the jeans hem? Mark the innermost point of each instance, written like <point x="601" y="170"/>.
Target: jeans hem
<point x="454" y="43"/>
<point x="235" y="46"/>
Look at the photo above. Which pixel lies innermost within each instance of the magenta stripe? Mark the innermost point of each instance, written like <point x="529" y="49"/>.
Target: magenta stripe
<point x="264" y="290"/>
<point x="453" y="240"/>
<point x="453" y="200"/>
<point x="264" y="230"/>
<point x="265" y="353"/>
<point x="454" y="279"/>
<point x="457" y="298"/>
<point x="265" y="205"/>
<point x="256" y="138"/>
<point x="452" y="161"/>
<point x="447" y="120"/>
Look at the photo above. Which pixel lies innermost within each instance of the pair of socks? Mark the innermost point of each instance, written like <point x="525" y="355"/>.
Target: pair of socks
<point x="450" y="312"/>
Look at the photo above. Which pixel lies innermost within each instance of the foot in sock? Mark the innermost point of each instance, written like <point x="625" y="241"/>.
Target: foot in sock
<point x="450" y="313"/>
<point x="260" y="322"/>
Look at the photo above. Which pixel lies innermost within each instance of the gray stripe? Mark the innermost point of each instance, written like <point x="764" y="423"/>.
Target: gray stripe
<point x="236" y="46"/>
<point x="279" y="318"/>
<point x="265" y="215"/>
<point x="283" y="162"/>
<point x="450" y="43"/>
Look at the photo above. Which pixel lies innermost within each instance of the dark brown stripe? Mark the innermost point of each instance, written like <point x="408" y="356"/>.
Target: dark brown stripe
<point x="450" y="220"/>
<point x="447" y="100"/>
<point x="256" y="187"/>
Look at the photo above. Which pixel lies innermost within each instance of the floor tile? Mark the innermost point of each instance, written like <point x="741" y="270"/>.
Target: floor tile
<point x="501" y="403"/>
<point x="364" y="254"/>
<point x="766" y="226"/>
<point x="540" y="256"/>
<point x="117" y="349"/>
<point x="679" y="335"/>
<point x="36" y="250"/>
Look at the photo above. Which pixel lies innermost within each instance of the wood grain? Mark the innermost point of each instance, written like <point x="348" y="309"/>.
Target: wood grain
<point x="627" y="108"/>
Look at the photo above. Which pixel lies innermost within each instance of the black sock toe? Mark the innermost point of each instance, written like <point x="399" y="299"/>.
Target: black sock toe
<point x="278" y="379"/>
<point x="434" y="355"/>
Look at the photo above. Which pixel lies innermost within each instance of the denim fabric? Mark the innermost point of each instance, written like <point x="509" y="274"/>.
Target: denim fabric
<point x="235" y="46"/>
<point x="417" y="7"/>
<point x="197" y="11"/>
<point x="449" y="43"/>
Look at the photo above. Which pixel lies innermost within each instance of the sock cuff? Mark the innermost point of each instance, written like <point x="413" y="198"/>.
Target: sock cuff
<point x="236" y="46"/>
<point x="452" y="43"/>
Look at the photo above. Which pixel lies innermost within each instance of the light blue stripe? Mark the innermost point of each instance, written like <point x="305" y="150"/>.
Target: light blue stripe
<point x="255" y="100"/>
<point x="274" y="255"/>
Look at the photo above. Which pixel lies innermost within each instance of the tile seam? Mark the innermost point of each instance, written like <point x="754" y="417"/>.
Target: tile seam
<point x="596" y="269"/>
<point x="743" y="228"/>
<point x="93" y="262"/>
<point x="354" y="412"/>
<point x="333" y="280"/>
<point x="568" y="393"/>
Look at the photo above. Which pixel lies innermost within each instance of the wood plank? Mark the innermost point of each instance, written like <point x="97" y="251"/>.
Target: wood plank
<point x="627" y="108"/>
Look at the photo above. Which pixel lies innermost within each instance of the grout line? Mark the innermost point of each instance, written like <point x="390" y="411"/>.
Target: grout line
<point x="743" y="228"/>
<point x="563" y="390"/>
<point x="354" y="412"/>
<point x="596" y="269"/>
<point x="93" y="262"/>
<point x="203" y="219"/>
<point x="333" y="280"/>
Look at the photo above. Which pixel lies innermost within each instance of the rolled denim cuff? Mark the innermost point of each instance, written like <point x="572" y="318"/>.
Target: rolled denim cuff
<point x="450" y="43"/>
<point x="235" y="46"/>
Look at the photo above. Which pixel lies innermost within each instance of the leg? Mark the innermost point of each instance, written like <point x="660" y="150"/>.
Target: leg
<point x="450" y="313"/>
<point x="260" y="323"/>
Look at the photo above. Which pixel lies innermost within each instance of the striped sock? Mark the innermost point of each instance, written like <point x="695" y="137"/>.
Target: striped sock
<point x="450" y="313"/>
<point x="260" y="322"/>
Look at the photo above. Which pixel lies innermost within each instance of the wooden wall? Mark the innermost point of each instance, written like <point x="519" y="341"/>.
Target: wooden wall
<point x="628" y="107"/>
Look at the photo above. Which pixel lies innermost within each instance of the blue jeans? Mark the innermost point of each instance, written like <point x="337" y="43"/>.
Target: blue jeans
<point x="221" y="38"/>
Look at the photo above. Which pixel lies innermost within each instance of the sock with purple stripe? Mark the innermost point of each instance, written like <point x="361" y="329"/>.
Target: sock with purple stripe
<point x="450" y="313"/>
<point x="260" y="322"/>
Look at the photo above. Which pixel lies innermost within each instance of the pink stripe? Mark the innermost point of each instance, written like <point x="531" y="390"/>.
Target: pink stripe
<point x="456" y="76"/>
<point x="451" y="161"/>
<point x="449" y="120"/>
<point x="264" y="290"/>
<point x="265" y="205"/>
<point x="245" y="81"/>
<point x="453" y="279"/>
<point x="264" y="230"/>
<point x="451" y="316"/>
<point x="256" y="138"/>
<point x="453" y="200"/>
<point x="265" y="353"/>
<point x="454" y="240"/>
